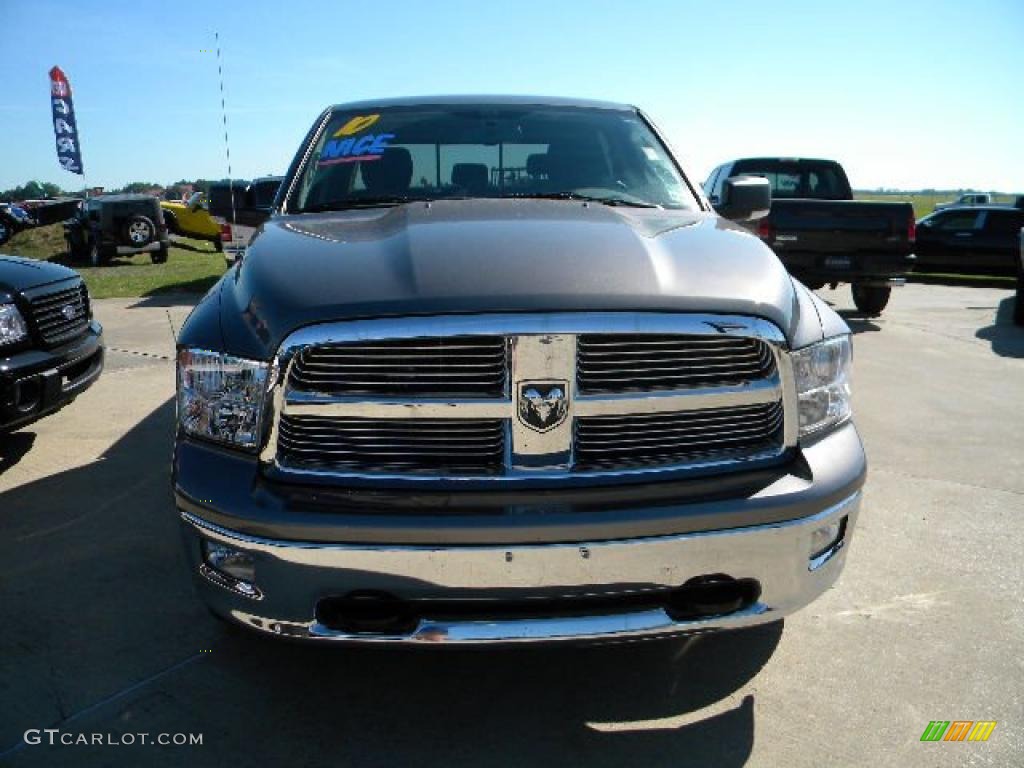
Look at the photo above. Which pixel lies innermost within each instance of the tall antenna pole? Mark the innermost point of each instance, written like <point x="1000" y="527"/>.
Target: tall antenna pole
<point x="224" y="118"/>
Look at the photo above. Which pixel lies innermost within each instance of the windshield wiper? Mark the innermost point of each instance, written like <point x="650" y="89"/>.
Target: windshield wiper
<point x="611" y="200"/>
<point x="382" y="201"/>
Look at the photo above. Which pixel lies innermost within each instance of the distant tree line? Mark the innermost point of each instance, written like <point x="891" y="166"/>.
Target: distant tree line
<point x="41" y="190"/>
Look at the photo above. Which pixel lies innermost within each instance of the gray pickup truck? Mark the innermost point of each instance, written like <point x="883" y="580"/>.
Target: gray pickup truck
<point x="494" y="371"/>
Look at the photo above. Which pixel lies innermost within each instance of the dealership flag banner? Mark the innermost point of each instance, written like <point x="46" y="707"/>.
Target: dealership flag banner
<point x="65" y="130"/>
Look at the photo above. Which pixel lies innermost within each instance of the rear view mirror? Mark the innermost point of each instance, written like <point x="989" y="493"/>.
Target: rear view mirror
<point x="745" y="198"/>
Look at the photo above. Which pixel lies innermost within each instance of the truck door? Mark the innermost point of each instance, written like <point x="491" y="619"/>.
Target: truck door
<point x="954" y="239"/>
<point x="996" y="242"/>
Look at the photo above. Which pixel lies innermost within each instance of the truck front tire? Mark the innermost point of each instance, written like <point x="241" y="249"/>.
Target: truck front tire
<point x="871" y="299"/>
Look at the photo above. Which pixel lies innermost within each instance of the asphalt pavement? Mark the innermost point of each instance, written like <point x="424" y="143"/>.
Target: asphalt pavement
<point x="102" y="635"/>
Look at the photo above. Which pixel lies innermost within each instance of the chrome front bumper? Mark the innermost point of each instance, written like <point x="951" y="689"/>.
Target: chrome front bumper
<point x="292" y="577"/>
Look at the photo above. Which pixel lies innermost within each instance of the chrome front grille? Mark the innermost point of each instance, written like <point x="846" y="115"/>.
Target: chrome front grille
<point x="669" y="438"/>
<point x="448" y="446"/>
<point x="543" y="398"/>
<point x="422" y="367"/>
<point x="646" y="362"/>
<point x="60" y="315"/>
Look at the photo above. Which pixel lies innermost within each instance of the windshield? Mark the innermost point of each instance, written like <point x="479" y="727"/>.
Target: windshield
<point x="434" y="153"/>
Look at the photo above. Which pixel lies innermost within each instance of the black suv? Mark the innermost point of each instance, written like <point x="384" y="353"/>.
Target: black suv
<point x="111" y="225"/>
<point x="51" y="349"/>
<point x="977" y="238"/>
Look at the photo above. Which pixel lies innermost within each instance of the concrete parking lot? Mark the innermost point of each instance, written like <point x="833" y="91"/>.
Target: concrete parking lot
<point x="101" y="633"/>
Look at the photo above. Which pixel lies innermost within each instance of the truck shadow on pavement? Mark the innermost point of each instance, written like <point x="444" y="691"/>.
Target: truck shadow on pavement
<point x="102" y="634"/>
<point x="13" y="448"/>
<point x="1007" y="339"/>
<point x="858" y="321"/>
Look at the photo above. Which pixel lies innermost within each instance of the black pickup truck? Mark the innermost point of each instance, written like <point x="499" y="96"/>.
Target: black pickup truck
<point x="51" y="348"/>
<point x="239" y="220"/>
<point x="822" y="234"/>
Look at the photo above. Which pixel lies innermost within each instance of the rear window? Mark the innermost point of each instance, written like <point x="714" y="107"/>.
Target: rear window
<point x="799" y="179"/>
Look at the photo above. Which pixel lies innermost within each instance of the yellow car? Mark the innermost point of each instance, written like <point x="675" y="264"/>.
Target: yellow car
<point x="192" y="219"/>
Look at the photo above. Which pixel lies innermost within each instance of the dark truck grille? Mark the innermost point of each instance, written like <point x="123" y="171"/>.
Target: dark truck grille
<point x="462" y="366"/>
<point x="446" y="446"/>
<point x="608" y="363"/>
<point x="61" y="315"/>
<point x="611" y="442"/>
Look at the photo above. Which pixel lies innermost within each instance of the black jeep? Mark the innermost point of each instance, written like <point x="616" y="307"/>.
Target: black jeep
<point x="110" y="225"/>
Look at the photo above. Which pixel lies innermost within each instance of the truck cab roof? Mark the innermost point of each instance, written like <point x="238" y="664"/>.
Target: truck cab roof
<point x="483" y="99"/>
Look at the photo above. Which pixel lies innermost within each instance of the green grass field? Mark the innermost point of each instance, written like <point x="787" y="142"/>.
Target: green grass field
<point x="923" y="204"/>
<point x="192" y="265"/>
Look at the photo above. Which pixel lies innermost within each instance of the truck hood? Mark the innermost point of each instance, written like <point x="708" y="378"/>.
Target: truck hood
<point x="472" y="256"/>
<point x="18" y="274"/>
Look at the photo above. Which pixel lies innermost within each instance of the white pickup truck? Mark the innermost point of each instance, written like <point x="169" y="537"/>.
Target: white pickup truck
<point x="973" y="198"/>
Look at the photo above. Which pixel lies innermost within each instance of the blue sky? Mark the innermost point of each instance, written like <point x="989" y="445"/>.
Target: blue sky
<point x="905" y="95"/>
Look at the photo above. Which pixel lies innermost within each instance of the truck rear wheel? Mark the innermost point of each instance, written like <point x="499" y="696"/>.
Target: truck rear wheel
<point x="160" y="256"/>
<point x="871" y="299"/>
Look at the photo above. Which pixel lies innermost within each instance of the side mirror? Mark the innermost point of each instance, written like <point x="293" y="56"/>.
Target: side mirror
<point x="745" y="198"/>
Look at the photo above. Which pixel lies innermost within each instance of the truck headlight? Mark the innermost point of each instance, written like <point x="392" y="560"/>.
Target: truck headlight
<point x="12" y="325"/>
<point x="220" y="397"/>
<point x="822" y="374"/>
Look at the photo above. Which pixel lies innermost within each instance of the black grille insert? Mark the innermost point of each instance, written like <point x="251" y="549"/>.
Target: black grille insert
<point x="374" y="446"/>
<point x="459" y="366"/>
<point x="638" y="440"/>
<point x="609" y="363"/>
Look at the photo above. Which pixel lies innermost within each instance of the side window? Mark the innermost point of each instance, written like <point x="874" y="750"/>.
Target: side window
<point x="1004" y="222"/>
<point x="966" y="220"/>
